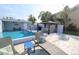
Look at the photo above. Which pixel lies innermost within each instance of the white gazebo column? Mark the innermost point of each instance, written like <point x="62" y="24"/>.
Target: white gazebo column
<point x="60" y="29"/>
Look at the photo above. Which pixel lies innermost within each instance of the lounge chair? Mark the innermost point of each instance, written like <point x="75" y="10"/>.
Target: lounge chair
<point x="48" y="47"/>
<point x="6" y="47"/>
<point x="51" y="49"/>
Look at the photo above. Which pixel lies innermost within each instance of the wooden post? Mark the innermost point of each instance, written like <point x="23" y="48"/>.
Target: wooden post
<point x="48" y="28"/>
<point x="56" y="28"/>
<point x="37" y="27"/>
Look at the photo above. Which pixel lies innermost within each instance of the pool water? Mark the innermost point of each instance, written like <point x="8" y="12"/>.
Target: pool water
<point x="16" y="34"/>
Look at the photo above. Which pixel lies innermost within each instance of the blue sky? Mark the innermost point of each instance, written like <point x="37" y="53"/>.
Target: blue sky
<point x="22" y="11"/>
<point x="17" y="10"/>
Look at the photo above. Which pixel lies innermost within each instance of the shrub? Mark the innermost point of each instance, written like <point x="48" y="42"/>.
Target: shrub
<point x="72" y="27"/>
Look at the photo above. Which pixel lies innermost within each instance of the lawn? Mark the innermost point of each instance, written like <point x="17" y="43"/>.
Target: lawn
<point x="72" y="33"/>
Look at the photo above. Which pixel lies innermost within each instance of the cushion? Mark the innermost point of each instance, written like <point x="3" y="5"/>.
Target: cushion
<point x="28" y="44"/>
<point x="42" y="39"/>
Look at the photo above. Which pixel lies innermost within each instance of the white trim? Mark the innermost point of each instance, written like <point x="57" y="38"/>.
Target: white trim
<point x="22" y="40"/>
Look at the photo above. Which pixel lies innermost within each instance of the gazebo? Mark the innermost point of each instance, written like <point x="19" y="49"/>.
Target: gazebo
<point x="49" y="23"/>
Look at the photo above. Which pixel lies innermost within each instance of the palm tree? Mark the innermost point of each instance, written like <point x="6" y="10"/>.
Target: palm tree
<point x="32" y="19"/>
<point x="64" y="19"/>
<point x="60" y="20"/>
<point x="44" y="16"/>
<point x="53" y="18"/>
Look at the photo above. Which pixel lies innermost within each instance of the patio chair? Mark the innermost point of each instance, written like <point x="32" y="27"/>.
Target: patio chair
<point x="39" y="38"/>
<point x="6" y="47"/>
<point x="28" y="46"/>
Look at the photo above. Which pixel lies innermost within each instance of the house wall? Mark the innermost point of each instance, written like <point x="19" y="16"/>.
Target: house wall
<point x="29" y="26"/>
<point x="0" y="26"/>
<point x="8" y="26"/>
<point x="11" y="26"/>
<point x="74" y="16"/>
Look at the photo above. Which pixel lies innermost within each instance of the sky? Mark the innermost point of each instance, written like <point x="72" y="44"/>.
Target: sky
<point x="22" y="11"/>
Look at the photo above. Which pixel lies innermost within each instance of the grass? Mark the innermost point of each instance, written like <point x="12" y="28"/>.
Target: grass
<point x="72" y="33"/>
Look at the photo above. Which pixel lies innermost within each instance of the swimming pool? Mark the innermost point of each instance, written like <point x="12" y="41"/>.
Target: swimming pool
<point x="16" y="35"/>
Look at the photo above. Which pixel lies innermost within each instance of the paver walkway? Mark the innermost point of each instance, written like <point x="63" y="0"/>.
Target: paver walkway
<point x="69" y="44"/>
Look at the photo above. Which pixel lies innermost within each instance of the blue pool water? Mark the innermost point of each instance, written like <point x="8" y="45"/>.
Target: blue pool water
<point x="16" y="34"/>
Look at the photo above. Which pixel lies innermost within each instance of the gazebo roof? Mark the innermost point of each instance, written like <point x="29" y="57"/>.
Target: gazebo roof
<point x="49" y="22"/>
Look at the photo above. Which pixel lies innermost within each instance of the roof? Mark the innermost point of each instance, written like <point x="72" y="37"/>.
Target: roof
<point x="13" y="20"/>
